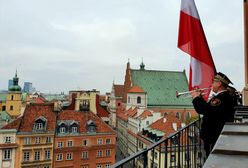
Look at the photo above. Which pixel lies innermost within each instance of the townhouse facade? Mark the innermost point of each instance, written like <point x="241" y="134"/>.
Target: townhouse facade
<point x="83" y="140"/>
<point x="44" y="137"/>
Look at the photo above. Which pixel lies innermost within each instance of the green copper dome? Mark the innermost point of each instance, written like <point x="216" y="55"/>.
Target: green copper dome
<point x="15" y="88"/>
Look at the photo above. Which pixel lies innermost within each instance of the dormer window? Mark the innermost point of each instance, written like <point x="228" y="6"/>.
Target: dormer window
<point x="91" y="126"/>
<point x="40" y="124"/>
<point x="62" y="130"/>
<point x="74" y="129"/>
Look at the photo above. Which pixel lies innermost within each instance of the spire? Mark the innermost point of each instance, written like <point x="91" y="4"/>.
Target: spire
<point x="16" y="73"/>
<point x="128" y="64"/>
<point x="142" y="65"/>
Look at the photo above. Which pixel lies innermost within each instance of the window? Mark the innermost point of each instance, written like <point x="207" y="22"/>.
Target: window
<point x="85" y="155"/>
<point x="108" y="141"/>
<point x="38" y="126"/>
<point x="69" y="156"/>
<point x="37" y="155"/>
<point x="11" y="108"/>
<point x="178" y="115"/>
<point x="6" y="154"/>
<point x="140" y="145"/>
<point x="48" y="140"/>
<point x="91" y="126"/>
<point x="3" y="108"/>
<point x="173" y="158"/>
<point x="60" y="144"/>
<point x="118" y="104"/>
<point x="37" y="140"/>
<point x="69" y="143"/>
<point x="107" y="166"/>
<point x="99" y="166"/>
<point x="85" y="142"/>
<point x="74" y="129"/>
<point x="12" y="97"/>
<point x="47" y="154"/>
<point x="99" y="153"/>
<point x="59" y="157"/>
<point x="7" y="139"/>
<point x="138" y="100"/>
<point x="108" y="152"/>
<point x="27" y="141"/>
<point x="46" y="167"/>
<point x="26" y="156"/>
<point x="99" y="141"/>
<point x="147" y="122"/>
<point x="128" y="99"/>
<point x="62" y="129"/>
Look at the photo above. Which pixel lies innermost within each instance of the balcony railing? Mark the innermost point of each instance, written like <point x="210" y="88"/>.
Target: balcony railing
<point x="181" y="149"/>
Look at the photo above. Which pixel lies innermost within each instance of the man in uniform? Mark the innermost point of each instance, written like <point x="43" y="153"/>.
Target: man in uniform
<point x="216" y="112"/>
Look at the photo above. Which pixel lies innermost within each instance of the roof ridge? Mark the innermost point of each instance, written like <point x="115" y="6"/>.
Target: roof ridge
<point x="158" y="71"/>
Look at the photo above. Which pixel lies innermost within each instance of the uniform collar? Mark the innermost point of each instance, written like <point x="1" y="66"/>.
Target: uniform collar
<point x="220" y="92"/>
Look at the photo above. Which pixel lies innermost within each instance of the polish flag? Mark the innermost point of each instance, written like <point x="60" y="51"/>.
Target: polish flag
<point x="192" y="40"/>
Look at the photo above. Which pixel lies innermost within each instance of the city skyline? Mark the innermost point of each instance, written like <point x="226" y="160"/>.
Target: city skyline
<point x="60" y="46"/>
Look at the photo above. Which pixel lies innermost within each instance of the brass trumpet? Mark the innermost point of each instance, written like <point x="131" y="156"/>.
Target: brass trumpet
<point x="188" y="93"/>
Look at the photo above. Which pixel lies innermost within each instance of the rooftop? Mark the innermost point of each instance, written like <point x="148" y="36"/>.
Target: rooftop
<point x="161" y="87"/>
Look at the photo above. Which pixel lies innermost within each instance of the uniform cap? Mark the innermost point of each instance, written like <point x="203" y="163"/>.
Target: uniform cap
<point x="222" y="78"/>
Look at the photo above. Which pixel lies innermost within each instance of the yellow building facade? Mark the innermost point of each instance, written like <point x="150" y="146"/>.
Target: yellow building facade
<point x="86" y="99"/>
<point x="11" y="102"/>
<point x="14" y="103"/>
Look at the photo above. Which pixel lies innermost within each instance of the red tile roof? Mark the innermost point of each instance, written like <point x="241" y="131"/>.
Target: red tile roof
<point x="82" y="118"/>
<point x="165" y="124"/>
<point x="33" y="112"/>
<point x="136" y="89"/>
<point x="101" y="112"/>
<point x="119" y="90"/>
<point x="145" y="114"/>
<point x="132" y="112"/>
<point x="38" y="100"/>
<point x="14" y="124"/>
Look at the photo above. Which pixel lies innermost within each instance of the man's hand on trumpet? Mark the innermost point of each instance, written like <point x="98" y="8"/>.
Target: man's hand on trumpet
<point x="195" y="93"/>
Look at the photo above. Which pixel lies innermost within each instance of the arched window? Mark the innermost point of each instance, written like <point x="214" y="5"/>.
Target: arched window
<point x="12" y="97"/>
<point x="11" y="108"/>
<point x="178" y="115"/>
<point x="138" y="100"/>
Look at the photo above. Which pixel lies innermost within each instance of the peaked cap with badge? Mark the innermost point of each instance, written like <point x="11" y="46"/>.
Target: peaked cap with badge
<point x="222" y="78"/>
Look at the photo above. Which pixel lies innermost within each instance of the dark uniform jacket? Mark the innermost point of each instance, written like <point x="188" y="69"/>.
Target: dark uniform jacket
<point x="216" y="112"/>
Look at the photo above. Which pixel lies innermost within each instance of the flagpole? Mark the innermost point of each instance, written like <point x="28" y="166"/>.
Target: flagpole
<point x="245" y="91"/>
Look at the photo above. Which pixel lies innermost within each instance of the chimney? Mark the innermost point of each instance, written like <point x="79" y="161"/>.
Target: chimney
<point x="57" y="106"/>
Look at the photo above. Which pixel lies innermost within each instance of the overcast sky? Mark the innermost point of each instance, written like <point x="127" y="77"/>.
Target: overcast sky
<point x="62" y="45"/>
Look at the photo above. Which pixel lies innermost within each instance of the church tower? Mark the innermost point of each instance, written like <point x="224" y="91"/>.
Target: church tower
<point x="14" y="98"/>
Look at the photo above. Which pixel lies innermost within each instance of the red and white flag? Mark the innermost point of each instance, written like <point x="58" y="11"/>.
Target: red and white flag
<point x="192" y="40"/>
